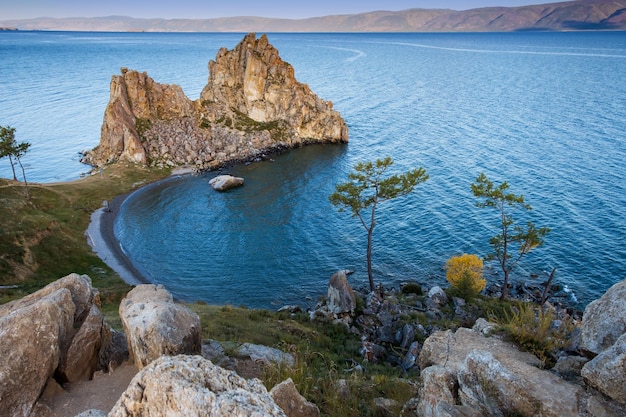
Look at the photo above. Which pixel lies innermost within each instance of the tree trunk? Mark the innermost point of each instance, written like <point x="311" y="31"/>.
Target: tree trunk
<point x="24" y="175"/>
<point x="505" y="286"/>
<point x="12" y="167"/>
<point x="370" y="275"/>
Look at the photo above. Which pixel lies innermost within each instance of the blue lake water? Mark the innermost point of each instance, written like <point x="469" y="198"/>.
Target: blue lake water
<point x="544" y="111"/>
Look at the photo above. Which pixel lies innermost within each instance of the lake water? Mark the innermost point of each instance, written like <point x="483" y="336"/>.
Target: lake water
<point x="544" y="111"/>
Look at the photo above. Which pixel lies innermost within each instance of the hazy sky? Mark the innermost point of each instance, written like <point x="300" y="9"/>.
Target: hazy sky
<point x="199" y="9"/>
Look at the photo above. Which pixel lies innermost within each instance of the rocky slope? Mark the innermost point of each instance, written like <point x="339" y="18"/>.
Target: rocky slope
<point x="568" y="15"/>
<point x="49" y="339"/>
<point x="252" y="105"/>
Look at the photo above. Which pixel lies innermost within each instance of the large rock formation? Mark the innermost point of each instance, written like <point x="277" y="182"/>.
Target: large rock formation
<point x="157" y="326"/>
<point x="251" y="105"/>
<point x="52" y="333"/>
<point x="193" y="386"/>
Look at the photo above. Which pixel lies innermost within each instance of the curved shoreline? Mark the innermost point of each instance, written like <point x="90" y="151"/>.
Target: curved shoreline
<point x="100" y="236"/>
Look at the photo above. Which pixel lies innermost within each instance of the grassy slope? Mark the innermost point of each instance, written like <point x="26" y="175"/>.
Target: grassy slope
<point x="42" y="239"/>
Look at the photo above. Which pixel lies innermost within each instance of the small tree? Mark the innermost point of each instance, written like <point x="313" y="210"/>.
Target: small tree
<point x="366" y="188"/>
<point x="465" y="275"/>
<point x="525" y="238"/>
<point x="8" y="147"/>
<point x="7" y="142"/>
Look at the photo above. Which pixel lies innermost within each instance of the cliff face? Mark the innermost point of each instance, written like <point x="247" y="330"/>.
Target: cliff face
<point x="252" y="80"/>
<point x="252" y="104"/>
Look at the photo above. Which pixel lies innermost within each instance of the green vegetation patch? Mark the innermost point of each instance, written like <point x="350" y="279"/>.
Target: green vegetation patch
<point x="43" y="239"/>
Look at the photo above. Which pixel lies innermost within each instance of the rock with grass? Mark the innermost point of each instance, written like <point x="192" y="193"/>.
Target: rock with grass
<point x="193" y="386"/>
<point x="155" y="325"/>
<point x="252" y="105"/>
<point x="51" y="333"/>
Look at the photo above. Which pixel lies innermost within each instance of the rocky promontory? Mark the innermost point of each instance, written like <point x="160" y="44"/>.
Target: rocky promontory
<point x="251" y="106"/>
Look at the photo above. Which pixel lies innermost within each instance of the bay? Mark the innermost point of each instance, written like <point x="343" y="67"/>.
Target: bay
<point x="544" y="111"/>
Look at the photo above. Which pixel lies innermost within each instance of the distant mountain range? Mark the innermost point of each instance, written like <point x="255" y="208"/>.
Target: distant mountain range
<point x="562" y="16"/>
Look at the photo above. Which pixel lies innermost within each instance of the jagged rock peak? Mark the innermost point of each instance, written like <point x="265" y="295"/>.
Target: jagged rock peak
<point x="252" y="105"/>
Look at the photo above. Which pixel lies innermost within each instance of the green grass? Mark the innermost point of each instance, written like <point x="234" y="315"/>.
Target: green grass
<point x="324" y="355"/>
<point x="43" y="239"/>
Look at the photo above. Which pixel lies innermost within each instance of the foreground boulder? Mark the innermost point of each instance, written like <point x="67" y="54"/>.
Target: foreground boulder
<point x="604" y="320"/>
<point x="193" y="386"/>
<point x="225" y="182"/>
<point x="466" y="373"/>
<point x="156" y="326"/>
<point x="251" y="105"/>
<point x="604" y="334"/>
<point x="54" y="332"/>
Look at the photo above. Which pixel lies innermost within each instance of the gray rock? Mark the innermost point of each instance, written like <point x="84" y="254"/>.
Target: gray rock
<point x="37" y="336"/>
<point x="225" y="182"/>
<point x="267" y="355"/>
<point x="385" y="406"/>
<point x="288" y="398"/>
<point x="607" y="371"/>
<point x="341" y="298"/>
<point x="156" y="326"/>
<point x="604" y="320"/>
<point x="483" y="326"/>
<point x="439" y="385"/>
<point x="411" y="357"/>
<point x="569" y="367"/>
<point x="92" y="413"/>
<point x="192" y="386"/>
<point x="508" y="387"/>
<point x="81" y="358"/>
<point x="491" y="377"/>
<point x="436" y="298"/>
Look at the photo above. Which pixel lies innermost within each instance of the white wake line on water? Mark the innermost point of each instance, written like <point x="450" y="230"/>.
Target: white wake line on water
<point x="359" y="53"/>
<point x="490" y="51"/>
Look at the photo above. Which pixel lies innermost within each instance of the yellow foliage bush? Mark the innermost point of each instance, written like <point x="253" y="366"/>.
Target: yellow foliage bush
<point x="465" y="274"/>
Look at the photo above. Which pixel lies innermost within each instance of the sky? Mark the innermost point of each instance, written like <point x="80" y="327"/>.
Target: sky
<point x="205" y="9"/>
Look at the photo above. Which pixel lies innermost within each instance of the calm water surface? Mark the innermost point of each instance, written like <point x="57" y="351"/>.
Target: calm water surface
<point x="544" y="111"/>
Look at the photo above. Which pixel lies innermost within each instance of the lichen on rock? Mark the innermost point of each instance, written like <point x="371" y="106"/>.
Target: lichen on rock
<point x="252" y="105"/>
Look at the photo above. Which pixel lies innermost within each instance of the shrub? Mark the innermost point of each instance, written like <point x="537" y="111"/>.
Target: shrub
<point x="533" y="330"/>
<point x="465" y="275"/>
<point x="412" y="288"/>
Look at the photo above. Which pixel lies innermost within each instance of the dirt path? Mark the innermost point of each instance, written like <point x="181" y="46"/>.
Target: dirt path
<point x="100" y="393"/>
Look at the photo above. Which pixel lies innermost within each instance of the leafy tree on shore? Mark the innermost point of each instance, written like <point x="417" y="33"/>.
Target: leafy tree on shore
<point x="366" y="188"/>
<point x="511" y="236"/>
<point x="9" y="147"/>
<point x="465" y="275"/>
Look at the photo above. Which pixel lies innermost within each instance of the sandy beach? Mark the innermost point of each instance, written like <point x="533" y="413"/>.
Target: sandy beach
<point x="101" y="237"/>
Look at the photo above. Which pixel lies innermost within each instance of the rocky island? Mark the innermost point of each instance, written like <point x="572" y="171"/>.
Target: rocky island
<point x="252" y="105"/>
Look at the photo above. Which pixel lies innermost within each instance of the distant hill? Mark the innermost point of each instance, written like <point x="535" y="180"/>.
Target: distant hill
<point x="562" y="16"/>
